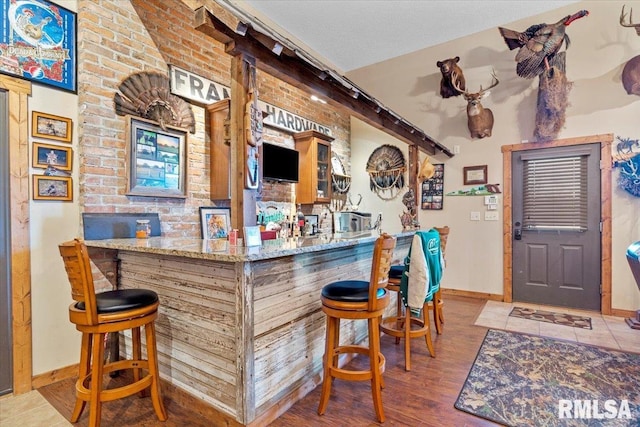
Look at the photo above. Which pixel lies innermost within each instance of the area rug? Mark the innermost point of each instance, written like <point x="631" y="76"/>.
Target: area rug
<point x="551" y="317"/>
<point x="525" y="380"/>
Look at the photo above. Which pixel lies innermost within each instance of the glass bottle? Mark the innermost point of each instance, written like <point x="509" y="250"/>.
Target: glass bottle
<point x="143" y="228"/>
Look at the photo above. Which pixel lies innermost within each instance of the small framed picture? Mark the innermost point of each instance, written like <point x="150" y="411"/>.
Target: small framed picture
<point x="252" y="236"/>
<point x="51" y="127"/>
<point x="52" y="188"/>
<point x="215" y="223"/>
<point x="474" y="175"/>
<point x="313" y="224"/>
<point x="45" y="155"/>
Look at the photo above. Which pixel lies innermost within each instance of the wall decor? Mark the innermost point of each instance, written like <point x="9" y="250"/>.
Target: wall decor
<point x="474" y="175"/>
<point x="48" y="126"/>
<point x="340" y="181"/>
<point x="147" y="94"/>
<point x="479" y="119"/>
<point x="157" y="159"/>
<point x="52" y="188"/>
<point x="386" y="166"/>
<point x="38" y="43"/>
<point x="481" y="190"/>
<point x="47" y="155"/>
<point x="215" y="223"/>
<point x="450" y="70"/>
<point x="433" y="190"/>
<point x="627" y="158"/>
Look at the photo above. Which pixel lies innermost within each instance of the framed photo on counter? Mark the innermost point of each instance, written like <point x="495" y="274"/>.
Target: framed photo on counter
<point x="215" y="223"/>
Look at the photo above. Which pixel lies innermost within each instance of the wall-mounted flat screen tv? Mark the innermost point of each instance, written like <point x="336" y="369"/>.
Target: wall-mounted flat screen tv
<point x="279" y="163"/>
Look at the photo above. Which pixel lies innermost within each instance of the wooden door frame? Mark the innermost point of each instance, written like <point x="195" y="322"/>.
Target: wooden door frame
<point x="605" y="141"/>
<point x="18" y="93"/>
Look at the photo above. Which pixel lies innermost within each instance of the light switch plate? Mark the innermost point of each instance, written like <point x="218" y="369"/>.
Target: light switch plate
<point x="491" y="216"/>
<point x="475" y="216"/>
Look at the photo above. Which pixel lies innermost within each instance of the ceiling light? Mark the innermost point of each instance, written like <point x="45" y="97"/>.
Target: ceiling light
<point x="316" y="99"/>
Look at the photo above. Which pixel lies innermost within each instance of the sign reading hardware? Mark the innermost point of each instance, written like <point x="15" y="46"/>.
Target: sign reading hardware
<point x="204" y="91"/>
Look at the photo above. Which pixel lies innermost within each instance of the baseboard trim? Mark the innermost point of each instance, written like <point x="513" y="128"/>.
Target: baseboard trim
<point x="54" y="376"/>
<point x="472" y="294"/>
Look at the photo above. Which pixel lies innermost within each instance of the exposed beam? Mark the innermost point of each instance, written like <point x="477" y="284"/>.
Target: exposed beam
<point x="305" y="75"/>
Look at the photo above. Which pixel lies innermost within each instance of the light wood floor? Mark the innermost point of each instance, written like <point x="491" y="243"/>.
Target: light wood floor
<point x="422" y="397"/>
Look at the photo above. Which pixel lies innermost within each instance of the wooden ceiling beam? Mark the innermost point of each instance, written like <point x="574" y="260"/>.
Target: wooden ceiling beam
<point x="300" y="73"/>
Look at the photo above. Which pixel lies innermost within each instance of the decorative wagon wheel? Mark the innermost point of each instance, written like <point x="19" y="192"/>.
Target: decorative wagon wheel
<point x="386" y="167"/>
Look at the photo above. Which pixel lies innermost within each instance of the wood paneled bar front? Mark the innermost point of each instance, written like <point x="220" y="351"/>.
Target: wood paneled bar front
<point x="241" y="328"/>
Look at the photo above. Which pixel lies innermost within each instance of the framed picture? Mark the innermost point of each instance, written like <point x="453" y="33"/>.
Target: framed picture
<point x="157" y="159"/>
<point x="433" y="190"/>
<point x="474" y="175"/>
<point x="45" y="155"/>
<point x="52" y="188"/>
<point x="215" y="223"/>
<point x="252" y="236"/>
<point x="313" y="224"/>
<point x="38" y="43"/>
<point x="51" y="127"/>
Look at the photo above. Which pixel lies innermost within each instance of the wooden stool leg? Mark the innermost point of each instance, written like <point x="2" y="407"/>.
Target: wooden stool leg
<point x="136" y="354"/>
<point x="374" y="363"/>
<point x="407" y="339"/>
<point x="83" y="371"/>
<point x="152" y="357"/>
<point x="437" y="316"/>
<point x="330" y="359"/>
<point x="97" y="357"/>
<point x="399" y="307"/>
<point x="427" y="337"/>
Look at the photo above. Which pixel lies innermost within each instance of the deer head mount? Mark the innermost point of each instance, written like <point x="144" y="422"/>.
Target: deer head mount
<point x="631" y="71"/>
<point x="623" y="17"/>
<point x="479" y="119"/>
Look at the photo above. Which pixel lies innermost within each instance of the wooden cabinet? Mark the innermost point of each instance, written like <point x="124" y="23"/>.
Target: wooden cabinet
<point x="314" y="185"/>
<point x="220" y="152"/>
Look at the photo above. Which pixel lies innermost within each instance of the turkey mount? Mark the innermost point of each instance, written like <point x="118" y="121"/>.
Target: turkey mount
<point x="539" y="44"/>
<point x="540" y="55"/>
<point x="148" y="95"/>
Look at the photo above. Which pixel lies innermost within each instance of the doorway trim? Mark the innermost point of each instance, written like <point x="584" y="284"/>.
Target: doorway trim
<point x="18" y="93"/>
<point x="605" y="141"/>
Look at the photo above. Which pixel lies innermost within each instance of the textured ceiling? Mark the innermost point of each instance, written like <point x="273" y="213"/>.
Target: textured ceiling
<point x="355" y="33"/>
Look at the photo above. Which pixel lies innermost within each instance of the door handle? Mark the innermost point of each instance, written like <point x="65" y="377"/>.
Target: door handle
<point x="517" y="233"/>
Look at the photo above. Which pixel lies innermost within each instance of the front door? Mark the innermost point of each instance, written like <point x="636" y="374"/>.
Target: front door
<point x="556" y="226"/>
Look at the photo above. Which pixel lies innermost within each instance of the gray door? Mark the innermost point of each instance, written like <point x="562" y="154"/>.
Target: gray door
<point x="556" y="219"/>
<point x="6" y="365"/>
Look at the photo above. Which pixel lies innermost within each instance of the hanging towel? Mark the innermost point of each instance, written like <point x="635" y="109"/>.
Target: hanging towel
<point x="423" y="269"/>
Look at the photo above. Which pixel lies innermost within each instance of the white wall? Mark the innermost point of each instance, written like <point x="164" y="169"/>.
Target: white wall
<point x="56" y="343"/>
<point x="409" y="85"/>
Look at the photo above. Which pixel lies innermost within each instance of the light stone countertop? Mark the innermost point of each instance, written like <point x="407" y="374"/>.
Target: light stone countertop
<point x="220" y="250"/>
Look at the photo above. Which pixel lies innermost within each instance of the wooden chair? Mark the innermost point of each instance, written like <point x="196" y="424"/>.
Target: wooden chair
<point x="405" y="324"/>
<point x="95" y="315"/>
<point x="438" y="304"/>
<point x="358" y="299"/>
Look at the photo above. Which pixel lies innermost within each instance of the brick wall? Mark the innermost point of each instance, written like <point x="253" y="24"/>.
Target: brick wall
<point x="118" y="38"/>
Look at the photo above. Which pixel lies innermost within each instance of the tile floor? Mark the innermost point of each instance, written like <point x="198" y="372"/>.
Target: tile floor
<point x="33" y="410"/>
<point x="608" y="331"/>
<point x="29" y="410"/>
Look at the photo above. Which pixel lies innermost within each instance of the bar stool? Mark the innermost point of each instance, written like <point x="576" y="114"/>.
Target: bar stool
<point x="358" y="299"/>
<point x="438" y="304"/>
<point x="406" y="324"/>
<point x="95" y="315"/>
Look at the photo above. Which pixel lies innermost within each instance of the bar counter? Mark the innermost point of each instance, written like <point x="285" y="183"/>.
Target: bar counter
<point x="242" y="327"/>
